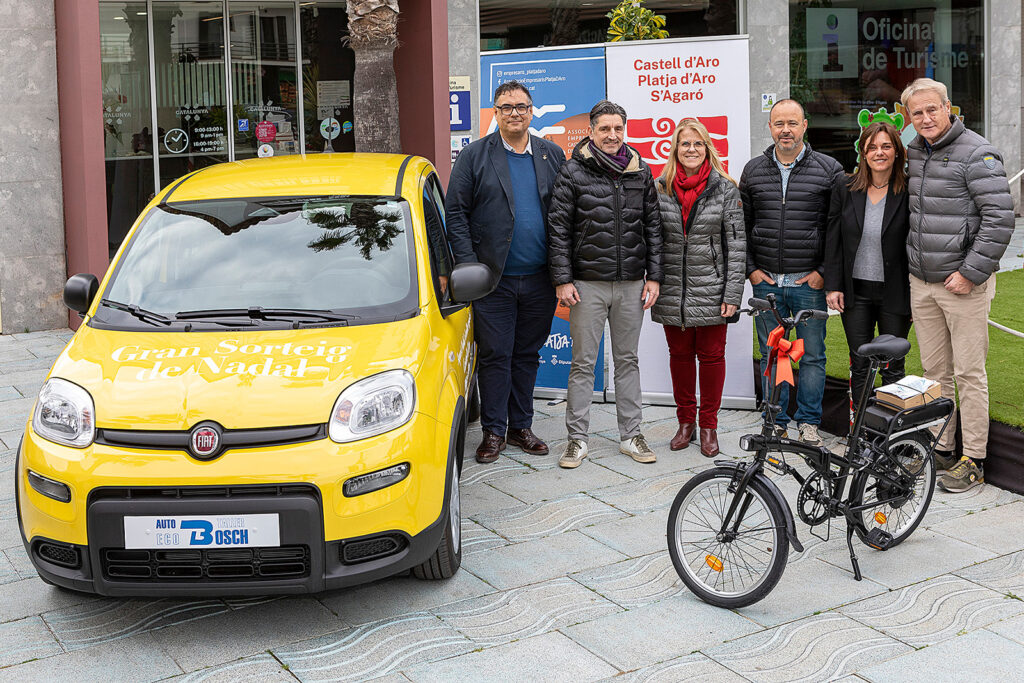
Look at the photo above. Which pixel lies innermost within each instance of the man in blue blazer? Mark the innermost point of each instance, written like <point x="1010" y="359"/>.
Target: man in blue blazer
<point x="496" y="213"/>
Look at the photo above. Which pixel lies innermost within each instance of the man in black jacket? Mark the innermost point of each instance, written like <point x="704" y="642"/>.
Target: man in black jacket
<point x="605" y="256"/>
<point x="496" y="209"/>
<point x="786" y="193"/>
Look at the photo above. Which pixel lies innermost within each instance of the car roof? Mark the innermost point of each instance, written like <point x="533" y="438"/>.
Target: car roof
<point x="301" y="175"/>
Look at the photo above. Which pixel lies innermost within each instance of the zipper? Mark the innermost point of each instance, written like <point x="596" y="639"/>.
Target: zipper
<point x="583" y="237"/>
<point x="920" y="213"/>
<point x="714" y="255"/>
<point x="682" y="279"/>
<point x="618" y="232"/>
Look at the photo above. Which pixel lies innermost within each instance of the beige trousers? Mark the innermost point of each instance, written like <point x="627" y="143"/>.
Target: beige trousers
<point x="952" y="335"/>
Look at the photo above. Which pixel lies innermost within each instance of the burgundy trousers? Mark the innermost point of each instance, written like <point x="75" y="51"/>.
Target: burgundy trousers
<point x="686" y="347"/>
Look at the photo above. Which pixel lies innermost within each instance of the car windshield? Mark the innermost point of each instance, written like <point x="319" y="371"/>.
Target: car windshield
<point x="278" y="261"/>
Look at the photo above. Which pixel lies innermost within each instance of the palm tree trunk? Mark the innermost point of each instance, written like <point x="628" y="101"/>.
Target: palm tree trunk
<point x="373" y="36"/>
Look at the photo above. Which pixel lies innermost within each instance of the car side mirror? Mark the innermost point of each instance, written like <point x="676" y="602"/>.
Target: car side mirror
<point x="469" y="282"/>
<point x="79" y="292"/>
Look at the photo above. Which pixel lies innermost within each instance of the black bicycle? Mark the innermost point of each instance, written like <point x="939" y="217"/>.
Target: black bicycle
<point x="730" y="527"/>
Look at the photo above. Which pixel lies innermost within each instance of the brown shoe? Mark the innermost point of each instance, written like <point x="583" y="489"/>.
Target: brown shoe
<point x="489" y="448"/>
<point x="683" y="435"/>
<point x="528" y="441"/>
<point x="708" y="442"/>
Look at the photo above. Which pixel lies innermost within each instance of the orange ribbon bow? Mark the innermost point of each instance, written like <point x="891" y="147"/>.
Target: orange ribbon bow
<point x="783" y="350"/>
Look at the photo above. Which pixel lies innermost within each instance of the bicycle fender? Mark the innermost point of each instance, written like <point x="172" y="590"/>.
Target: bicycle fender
<point x="777" y="494"/>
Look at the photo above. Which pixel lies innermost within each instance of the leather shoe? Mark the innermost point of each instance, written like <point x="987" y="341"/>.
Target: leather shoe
<point x="489" y="448"/>
<point x="528" y="441"/>
<point x="708" y="442"/>
<point x="683" y="435"/>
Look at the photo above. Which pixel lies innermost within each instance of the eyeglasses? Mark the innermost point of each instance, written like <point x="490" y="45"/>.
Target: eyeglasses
<point x="686" y="144"/>
<point x="521" y="109"/>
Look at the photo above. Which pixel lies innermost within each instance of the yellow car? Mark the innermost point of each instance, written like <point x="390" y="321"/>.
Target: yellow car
<point x="269" y="392"/>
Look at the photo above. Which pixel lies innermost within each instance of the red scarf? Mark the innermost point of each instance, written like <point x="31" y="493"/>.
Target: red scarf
<point x="688" y="188"/>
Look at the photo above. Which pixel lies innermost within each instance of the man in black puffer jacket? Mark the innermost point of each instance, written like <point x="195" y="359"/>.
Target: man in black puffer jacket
<point x="786" y="193"/>
<point x="604" y="241"/>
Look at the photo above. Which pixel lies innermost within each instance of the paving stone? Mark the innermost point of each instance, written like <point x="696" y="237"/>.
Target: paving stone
<point x="634" y="536"/>
<point x="31" y="596"/>
<point x="524" y="612"/>
<point x="262" y="667"/>
<point x="26" y="639"/>
<point x="401" y="595"/>
<point x="30" y="363"/>
<point x="1004" y="574"/>
<point x="374" y="649"/>
<point x="977" y="499"/>
<point x="997" y="529"/>
<point x="1010" y="628"/>
<point x="695" y="667"/>
<point x="474" y="473"/>
<point x="105" y="620"/>
<point x="11" y="437"/>
<point x="482" y="497"/>
<point x="19" y="559"/>
<point x="545" y="558"/>
<point x="137" y="659"/>
<point x="932" y="611"/>
<point x="817" y="648"/>
<point x="978" y="656"/>
<point x="636" y="582"/>
<point x="8" y="574"/>
<point x="549" y="657"/>
<point x="644" y="495"/>
<point x="924" y="555"/>
<point x="557" y="482"/>
<point x="675" y="626"/>
<point x="228" y="636"/>
<point x="8" y="354"/>
<point x="245" y="602"/>
<point x="16" y="413"/>
<point x="548" y="518"/>
<point x="477" y="539"/>
<point x="8" y="392"/>
<point x="668" y="461"/>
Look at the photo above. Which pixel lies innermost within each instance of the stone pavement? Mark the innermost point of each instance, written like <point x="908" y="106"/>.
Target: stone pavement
<point x="565" y="576"/>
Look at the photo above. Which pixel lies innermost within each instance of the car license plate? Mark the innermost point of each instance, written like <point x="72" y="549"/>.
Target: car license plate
<point x="201" y="531"/>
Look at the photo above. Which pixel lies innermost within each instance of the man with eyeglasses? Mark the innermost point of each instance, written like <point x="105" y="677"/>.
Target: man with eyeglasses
<point x="961" y="219"/>
<point x="497" y="208"/>
<point x="786" y="193"/>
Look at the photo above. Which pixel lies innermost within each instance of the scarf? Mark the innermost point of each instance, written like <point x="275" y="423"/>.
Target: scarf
<point x="688" y="188"/>
<point x="613" y="164"/>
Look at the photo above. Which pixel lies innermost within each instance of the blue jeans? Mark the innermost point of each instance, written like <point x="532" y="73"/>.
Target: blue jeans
<point x="810" y="385"/>
<point x="511" y="324"/>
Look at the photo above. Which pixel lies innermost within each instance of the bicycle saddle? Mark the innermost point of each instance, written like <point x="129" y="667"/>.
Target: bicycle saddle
<point x="884" y="348"/>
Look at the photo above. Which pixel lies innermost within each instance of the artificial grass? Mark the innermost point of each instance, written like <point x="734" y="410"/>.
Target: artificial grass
<point x="1005" y="354"/>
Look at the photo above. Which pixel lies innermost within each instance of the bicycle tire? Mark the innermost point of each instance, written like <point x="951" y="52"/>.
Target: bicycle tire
<point x="701" y="561"/>
<point x="899" y="521"/>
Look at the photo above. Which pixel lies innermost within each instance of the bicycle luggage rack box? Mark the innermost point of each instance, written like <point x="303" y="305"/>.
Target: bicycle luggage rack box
<point x="881" y="419"/>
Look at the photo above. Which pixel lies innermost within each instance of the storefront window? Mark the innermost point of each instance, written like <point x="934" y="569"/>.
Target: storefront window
<point x="127" y="117"/>
<point x="517" y="24"/>
<point x="852" y="57"/>
<point x="328" y="65"/>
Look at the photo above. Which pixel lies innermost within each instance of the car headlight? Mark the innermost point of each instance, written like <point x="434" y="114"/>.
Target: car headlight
<point x="65" y="414"/>
<point x="373" y="406"/>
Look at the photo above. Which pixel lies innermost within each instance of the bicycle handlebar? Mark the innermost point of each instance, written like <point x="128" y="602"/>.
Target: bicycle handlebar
<point x="758" y="306"/>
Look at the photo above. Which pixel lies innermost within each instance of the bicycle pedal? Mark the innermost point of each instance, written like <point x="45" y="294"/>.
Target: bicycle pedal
<point x="878" y="539"/>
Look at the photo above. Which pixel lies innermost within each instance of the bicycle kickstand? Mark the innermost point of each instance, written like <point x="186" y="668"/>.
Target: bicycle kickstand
<point x="853" y="555"/>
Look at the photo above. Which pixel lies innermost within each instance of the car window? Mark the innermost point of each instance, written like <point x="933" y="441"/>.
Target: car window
<point x="346" y="254"/>
<point x="440" y="253"/>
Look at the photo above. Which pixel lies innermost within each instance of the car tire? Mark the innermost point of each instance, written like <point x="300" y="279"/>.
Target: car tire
<point x="447" y="558"/>
<point x="473" y="411"/>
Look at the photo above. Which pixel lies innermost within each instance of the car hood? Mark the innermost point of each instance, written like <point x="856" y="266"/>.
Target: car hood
<point x="240" y="379"/>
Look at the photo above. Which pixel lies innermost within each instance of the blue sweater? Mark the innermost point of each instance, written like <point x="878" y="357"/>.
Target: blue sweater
<point x="528" y="253"/>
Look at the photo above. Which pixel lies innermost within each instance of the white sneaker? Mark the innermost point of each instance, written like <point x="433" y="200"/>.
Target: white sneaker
<point x="573" y="454"/>
<point x="809" y="434"/>
<point x="638" y="449"/>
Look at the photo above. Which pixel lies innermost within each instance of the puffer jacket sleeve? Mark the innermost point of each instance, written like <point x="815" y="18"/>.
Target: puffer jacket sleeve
<point x="833" y="274"/>
<point x="986" y="184"/>
<point x="561" y="218"/>
<point x="748" y="218"/>
<point x="652" y="228"/>
<point x="735" y="236"/>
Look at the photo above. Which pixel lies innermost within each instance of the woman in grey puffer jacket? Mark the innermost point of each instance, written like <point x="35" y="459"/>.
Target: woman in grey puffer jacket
<point x="704" y="266"/>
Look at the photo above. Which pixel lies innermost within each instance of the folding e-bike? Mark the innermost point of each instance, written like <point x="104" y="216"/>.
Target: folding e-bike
<point x="730" y="528"/>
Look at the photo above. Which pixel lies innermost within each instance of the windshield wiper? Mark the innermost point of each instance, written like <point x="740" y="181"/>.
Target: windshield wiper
<point x="142" y="314"/>
<point x="269" y="314"/>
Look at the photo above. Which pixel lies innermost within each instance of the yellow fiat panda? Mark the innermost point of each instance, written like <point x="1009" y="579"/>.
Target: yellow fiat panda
<point x="269" y="391"/>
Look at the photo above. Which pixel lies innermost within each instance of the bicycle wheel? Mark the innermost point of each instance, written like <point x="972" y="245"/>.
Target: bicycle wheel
<point x="906" y="504"/>
<point x="727" y="572"/>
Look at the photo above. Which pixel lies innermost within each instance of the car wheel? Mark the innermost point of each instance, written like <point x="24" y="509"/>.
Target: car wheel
<point x="473" y="410"/>
<point x="448" y="557"/>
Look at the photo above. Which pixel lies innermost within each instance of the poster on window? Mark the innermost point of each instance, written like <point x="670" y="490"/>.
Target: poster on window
<point x="660" y="84"/>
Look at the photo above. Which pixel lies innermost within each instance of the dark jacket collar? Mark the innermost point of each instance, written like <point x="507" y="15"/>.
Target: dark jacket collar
<point x="956" y="129"/>
<point x="581" y="153"/>
<point x="770" y="153"/>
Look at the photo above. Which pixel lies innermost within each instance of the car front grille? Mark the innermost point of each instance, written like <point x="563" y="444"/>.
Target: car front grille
<point x="215" y="564"/>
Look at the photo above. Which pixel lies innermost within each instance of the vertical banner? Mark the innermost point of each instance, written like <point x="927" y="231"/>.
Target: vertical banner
<point x="564" y="85"/>
<point x="659" y="84"/>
